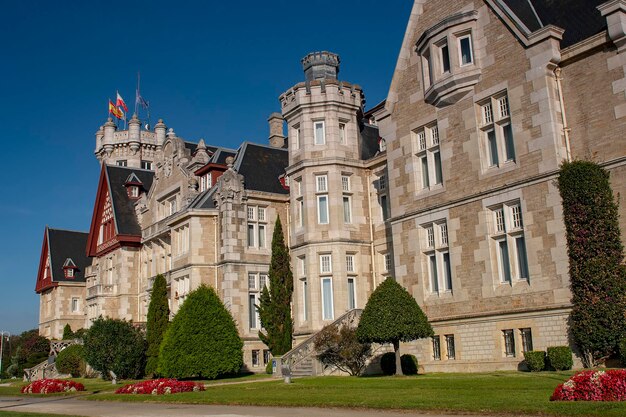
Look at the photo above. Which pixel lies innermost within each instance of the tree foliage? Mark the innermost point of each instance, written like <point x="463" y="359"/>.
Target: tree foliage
<point x="115" y="345"/>
<point x="275" y="303"/>
<point x="340" y="347"/>
<point x="392" y="315"/>
<point x="29" y="349"/>
<point x="202" y="341"/>
<point x="158" y="319"/>
<point x="597" y="278"/>
<point x="67" y="332"/>
<point x="71" y="361"/>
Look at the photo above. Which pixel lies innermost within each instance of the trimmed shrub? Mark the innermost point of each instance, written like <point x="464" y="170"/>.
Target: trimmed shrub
<point x="560" y="357"/>
<point x="409" y="364"/>
<point x="339" y="347"/>
<point x="593" y="386"/>
<point x="622" y="351"/>
<point x="536" y="360"/>
<point x="202" y="340"/>
<point x="157" y="322"/>
<point x="268" y="368"/>
<point x="71" y="361"/>
<point x="595" y="251"/>
<point x="392" y="315"/>
<point x="388" y="363"/>
<point x="67" y="332"/>
<point x="115" y="345"/>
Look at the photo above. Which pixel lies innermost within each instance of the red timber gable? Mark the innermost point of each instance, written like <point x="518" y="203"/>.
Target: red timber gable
<point x="104" y="234"/>
<point x="44" y="273"/>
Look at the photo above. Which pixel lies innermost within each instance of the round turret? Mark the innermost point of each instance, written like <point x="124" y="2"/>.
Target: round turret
<point x="321" y="65"/>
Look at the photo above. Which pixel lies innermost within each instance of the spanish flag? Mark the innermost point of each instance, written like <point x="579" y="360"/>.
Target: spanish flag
<point x="115" y="111"/>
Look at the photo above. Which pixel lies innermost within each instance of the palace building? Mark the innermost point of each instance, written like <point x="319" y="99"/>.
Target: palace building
<point x="448" y="186"/>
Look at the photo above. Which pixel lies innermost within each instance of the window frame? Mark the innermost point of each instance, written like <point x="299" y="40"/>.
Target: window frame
<point x="496" y="131"/>
<point x="327" y="315"/>
<point x="507" y="231"/>
<point x="315" y="137"/>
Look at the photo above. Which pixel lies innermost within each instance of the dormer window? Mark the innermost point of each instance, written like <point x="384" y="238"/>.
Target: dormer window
<point x="134" y="191"/>
<point x="69" y="268"/>
<point x="133" y="184"/>
<point x="449" y="70"/>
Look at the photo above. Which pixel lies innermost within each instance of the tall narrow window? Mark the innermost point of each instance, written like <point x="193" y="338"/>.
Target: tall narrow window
<point x="451" y="350"/>
<point x="296" y="137"/>
<point x="256" y="227"/>
<point x="509" y="343"/>
<point x="497" y="130"/>
<point x="527" y="339"/>
<point x="351" y="294"/>
<point x="74" y="305"/>
<point x="342" y="133"/>
<point x="445" y="58"/>
<point x="438" y="171"/>
<point x="510" y="242"/>
<point x="425" y="174"/>
<point x="321" y="183"/>
<point x="322" y="209"/>
<point x="434" y="277"/>
<point x="384" y="207"/>
<point x="345" y="183"/>
<point x="305" y="300"/>
<point x="436" y="348"/>
<point x="326" y="264"/>
<point x="429" y="167"/>
<point x="437" y="256"/>
<point x="465" y="49"/>
<point x="320" y="134"/>
<point x="327" y="299"/>
<point x="347" y="210"/>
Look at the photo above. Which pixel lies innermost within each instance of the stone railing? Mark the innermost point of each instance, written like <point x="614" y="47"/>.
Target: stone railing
<point x="156" y="229"/>
<point x="101" y="289"/>
<point x="47" y="368"/>
<point x="57" y="346"/>
<point x="306" y="349"/>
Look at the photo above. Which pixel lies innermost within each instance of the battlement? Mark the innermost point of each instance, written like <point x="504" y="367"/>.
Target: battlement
<point x="320" y="65"/>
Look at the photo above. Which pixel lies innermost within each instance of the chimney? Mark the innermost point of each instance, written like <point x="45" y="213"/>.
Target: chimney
<point x="277" y="139"/>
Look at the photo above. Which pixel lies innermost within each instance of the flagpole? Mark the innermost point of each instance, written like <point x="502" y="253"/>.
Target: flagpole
<point x="137" y="93"/>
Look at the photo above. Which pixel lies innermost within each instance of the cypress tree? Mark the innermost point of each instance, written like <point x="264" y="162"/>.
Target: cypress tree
<point x="392" y="315"/>
<point x="67" y="332"/>
<point x="275" y="303"/>
<point x="595" y="250"/>
<point x="158" y="319"/>
<point x="202" y="340"/>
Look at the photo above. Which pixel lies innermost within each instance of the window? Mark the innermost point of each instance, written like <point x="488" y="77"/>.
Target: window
<point x="450" y="346"/>
<point x="69" y="272"/>
<point x="345" y="183"/>
<point x="321" y="186"/>
<point x="296" y="137"/>
<point x="321" y="183"/>
<point x="342" y="133"/>
<point x="465" y="50"/>
<point x="350" y="263"/>
<point x="326" y="264"/>
<point x="305" y="287"/>
<point x="382" y="145"/>
<point x="387" y="262"/>
<point x="255" y="357"/>
<point x="509" y="343"/>
<point x="134" y="191"/>
<point x="429" y="156"/>
<point x="256" y="283"/>
<point x="319" y="132"/>
<point x="527" y="339"/>
<point x="347" y="209"/>
<point x="510" y="244"/>
<point x="74" y="305"/>
<point x="266" y="356"/>
<point x="382" y="182"/>
<point x="351" y="294"/>
<point x="256" y="227"/>
<point x="182" y="289"/>
<point x="299" y="204"/>
<point x="445" y="57"/>
<point x="122" y="163"/>
<point x="146" y="165"/>
<point x="172" y="205"/>
<point x="205" y="182"/>
<point x="436" y="348"/>
<point x="182" y="240"/>
<point x="497" y="131"/>
<point x="327" y="299"/>
<point x="437" y="256"/>
<point x="382" y="200"/>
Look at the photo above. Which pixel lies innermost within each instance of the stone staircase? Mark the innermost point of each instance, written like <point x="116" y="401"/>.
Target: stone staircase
<point x="47" y="368"/>
<point x="301" y="360"/>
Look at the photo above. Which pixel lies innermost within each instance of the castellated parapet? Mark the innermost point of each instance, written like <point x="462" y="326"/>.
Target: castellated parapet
<point x="133" y="147"/>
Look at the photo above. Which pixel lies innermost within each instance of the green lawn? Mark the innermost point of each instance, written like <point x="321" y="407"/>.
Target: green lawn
<point x="16" y="414"/>
<point x="499" y="392"/>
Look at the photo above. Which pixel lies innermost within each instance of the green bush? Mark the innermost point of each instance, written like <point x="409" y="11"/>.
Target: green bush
<point x="409" y="364"/>
<point x="339" y="347"/>
<point x="115" y="345"/>
<point x="560" y="357"/>
<point x="536" y="360"/>
<point x="68" y="333"/>
<point x="202" y="340"/>
<point x="268" y="368"/>
<point x="388" y="363"/>
<point x="157" y="322"/>
<point x="71" y="361"/>
<point x="622" y="351"/>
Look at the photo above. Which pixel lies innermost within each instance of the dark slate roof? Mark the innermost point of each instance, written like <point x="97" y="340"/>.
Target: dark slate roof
<point x="191" y="146"/>
<point x="220" y="155"/>
<point x="261" y="166"/>
<point x="579" y="18"/>
<point x="64" y="244"/>
<point x="123" y="207"/>
<point x="368" y="140"/>
<point x="204" y="200"/>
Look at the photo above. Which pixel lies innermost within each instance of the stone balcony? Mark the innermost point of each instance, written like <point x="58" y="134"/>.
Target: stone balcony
<point x="101" y="289"/>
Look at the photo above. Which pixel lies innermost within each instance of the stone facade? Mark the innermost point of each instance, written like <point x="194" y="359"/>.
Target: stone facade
<point x="448" y="186"/>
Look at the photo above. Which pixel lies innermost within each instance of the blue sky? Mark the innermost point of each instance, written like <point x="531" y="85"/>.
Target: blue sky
<point x="211" y="70"/>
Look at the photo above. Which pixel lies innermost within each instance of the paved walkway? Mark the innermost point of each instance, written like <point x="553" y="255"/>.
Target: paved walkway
<point x="74" y="406"/>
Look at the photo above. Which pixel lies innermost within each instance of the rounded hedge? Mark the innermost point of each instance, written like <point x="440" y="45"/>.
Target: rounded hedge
<point x="536" y="360"/>
<point x="560" y="357"/>
<point x="408" y="362"/>
<point x="268" y="368"/>
<point x="71" y="360"/>
<point x="622" y="351"/>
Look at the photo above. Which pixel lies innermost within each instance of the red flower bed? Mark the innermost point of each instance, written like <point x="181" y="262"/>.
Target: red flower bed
<point x="160" y="386"/>
<point x="593" y="386"/>
<point x="49" y="386"/>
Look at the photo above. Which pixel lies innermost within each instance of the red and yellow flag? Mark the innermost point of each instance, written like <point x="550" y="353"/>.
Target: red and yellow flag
<point x="117" y="112"/>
